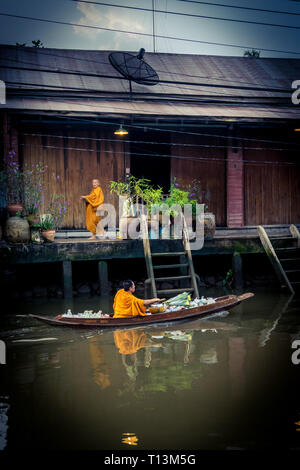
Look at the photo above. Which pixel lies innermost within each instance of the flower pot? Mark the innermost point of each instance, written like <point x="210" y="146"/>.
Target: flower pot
<point x="12" y="209"/>
<point x="125" y="222"/>
<point x="17" y="230"/>
<point x="35" y="235"/>
<point x="209" y="225"/>
<point x="48" y="235"/>
<point x="32" y="219"/>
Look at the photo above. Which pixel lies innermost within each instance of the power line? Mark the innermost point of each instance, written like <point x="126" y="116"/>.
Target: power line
<point x="115" y="77"/>
<point x="171" y="144"/>
<point x="185" y="14"/>
<point x="172" y="131"/>
<point x="146" y="34"/>
<point x="240" y="7"/>
<point x="212" y="77"/>
<point x="222" y="160"/>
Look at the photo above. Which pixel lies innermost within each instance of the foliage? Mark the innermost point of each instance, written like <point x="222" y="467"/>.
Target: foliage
<point x="13" y="177"/>
<point x="33" y="187"/>
<point x="57" y="209"/>
<point x="119" y="188"/>
<point x="152" y="197"/>
<point x="228" y="279"/>
<point x="47" y="222"/>
<point x="252" y="53"/>
<point x="179" y="197"/>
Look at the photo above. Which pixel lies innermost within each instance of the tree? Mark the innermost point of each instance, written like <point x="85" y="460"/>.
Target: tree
<point x="253" y="53"/>
<point x="37" y="43"/>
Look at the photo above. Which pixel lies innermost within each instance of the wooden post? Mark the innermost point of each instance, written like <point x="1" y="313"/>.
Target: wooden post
<point x="282" y="277"/>
<point x="295" y="233"/>
<point x="103" y="278"/>
<point x="235" y="186"/>
<point x="237" y="270"/>
<point x="67" y="279"/>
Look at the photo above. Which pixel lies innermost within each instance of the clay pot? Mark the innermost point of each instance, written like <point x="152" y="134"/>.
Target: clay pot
<point x="209" y="225"/>
<point x="48" y="235"/>
<point x="12" y="209"/>
<point x="17" y="230"/>
<point x="32" y="219"/>
<point x="35" y="235"/>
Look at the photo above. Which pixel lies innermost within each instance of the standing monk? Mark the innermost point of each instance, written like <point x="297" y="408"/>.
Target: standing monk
<point x="127" y="305"/>
<point x="93" y="200"/>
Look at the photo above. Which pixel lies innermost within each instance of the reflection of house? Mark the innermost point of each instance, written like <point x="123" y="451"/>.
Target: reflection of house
<point x="233" y="130"/>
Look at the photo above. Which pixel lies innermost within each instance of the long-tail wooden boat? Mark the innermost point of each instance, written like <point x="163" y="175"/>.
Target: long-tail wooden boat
<point x="221" y="303"/>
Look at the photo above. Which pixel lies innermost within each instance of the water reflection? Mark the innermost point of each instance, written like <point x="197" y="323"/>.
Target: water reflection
<point x="220" y="378"/>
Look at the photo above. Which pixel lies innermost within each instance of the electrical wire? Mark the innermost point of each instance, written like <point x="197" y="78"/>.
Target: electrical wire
<point x="145" y="34"/>
<point x="115" y="77"/>
<point x="172" y="131"/>
<point x="240" y="7"/>
<point x="212" y="77"/>
<point x="171" y="144"/>
<point x="181" y="157"/>
<point x="154" y="10"/>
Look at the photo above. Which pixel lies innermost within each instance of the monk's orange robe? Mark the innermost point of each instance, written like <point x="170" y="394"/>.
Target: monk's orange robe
<point x="127" y="305"/>
<point x="94" y="199"/>
<point x="129" y="341"/>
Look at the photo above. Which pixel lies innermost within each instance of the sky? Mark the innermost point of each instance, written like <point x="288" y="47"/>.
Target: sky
<point x="64" y="36"/>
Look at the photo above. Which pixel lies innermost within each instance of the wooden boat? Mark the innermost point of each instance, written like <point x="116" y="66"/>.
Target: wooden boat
<point x="221" y="303"/>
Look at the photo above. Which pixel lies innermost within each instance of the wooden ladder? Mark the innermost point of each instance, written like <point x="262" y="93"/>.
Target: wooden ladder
<point x="185" y="262"/>
<point x="286" y="260"/>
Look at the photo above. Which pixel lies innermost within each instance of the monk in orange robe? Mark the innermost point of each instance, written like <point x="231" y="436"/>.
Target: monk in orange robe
<point x="127" y="305"/>
<point x="93" y="200"/>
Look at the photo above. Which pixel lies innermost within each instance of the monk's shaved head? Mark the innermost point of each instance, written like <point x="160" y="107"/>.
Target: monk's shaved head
<point x="127" y="284"/>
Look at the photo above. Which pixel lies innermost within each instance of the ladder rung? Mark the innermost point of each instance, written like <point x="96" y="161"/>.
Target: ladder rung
<point x="290" y="259"/>
<point x="292" y="270"/>
<point x="287" y="248"/>
<point x="172" y="278"/>
<point x="177" y="253"/>
<point x="168" y="266"/>
<point x="295" y="282"/>
<point x="171" y="291"/>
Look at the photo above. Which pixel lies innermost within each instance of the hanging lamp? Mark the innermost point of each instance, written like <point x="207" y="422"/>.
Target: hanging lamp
<point x="121" y="131"/>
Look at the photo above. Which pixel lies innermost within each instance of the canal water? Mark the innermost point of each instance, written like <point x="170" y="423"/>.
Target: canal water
<point x="224" y="382"/>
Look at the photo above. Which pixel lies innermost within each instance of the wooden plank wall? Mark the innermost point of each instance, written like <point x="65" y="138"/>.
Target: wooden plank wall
<point x="272" y="188"/>
<point x="211" y="170"/>
<point x="70" y="171"/>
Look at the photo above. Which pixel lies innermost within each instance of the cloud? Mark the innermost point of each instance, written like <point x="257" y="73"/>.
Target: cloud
<point x="106" y="18"/>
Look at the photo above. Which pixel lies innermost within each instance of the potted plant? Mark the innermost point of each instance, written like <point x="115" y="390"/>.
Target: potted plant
<point x="153" y="199"/>
<point x="126" y="209"/>
<point x="55" y="213"/>
<point x="33" y="190"/>
<point x="47" y="227"/>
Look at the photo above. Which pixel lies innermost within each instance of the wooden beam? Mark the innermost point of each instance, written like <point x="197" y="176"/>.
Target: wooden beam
<point x="103" y="278"/>
<point x="67" y="279"/>
<point x="295" y="233"/>
<point x="282" y="277"/>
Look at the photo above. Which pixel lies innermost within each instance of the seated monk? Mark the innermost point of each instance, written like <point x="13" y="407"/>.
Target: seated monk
<point x="93" y="200"/>
<point x="127" y="305"/>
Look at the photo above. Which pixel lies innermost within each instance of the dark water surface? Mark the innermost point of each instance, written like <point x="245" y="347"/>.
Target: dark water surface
<point x="224" y="382"/>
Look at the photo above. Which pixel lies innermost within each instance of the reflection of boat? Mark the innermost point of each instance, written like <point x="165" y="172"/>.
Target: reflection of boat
<point x="220" y="303"/>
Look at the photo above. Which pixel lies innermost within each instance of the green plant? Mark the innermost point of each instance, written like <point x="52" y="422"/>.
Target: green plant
<point x="33" y="187"/>
<point x="119" y="188"/>
<point x="228" y="278"/>
<point x="47" y="222"/>
<point x="57" y="209"/>
<point x="152" y="197"/>
<point x="179" y="197"/>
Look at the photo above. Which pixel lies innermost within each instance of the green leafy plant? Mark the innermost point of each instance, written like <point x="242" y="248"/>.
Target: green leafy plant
<point x="47" y="222"/>
<point x="152" y="197"/>
<point x="228" y="278"/>
<point x="57" y="209"/>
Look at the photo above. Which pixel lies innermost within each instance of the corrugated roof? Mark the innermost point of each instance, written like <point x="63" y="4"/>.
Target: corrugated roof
<point x="97" y="94"/>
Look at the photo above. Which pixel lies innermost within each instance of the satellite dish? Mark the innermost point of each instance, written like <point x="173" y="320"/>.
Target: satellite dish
<point x="134" y="68"/>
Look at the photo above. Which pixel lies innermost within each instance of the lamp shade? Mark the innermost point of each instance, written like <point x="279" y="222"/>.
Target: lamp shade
<point x="121" y="131"/>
